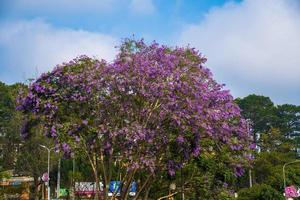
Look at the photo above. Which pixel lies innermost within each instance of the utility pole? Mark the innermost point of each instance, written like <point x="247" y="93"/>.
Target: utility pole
<point x="283" y="171"/>
<point x="250" y="178"/>
<point x="58" y="179"/>
<point x="182" y="183"/>
<point x="73" y="178"/>
<point x="48" y="181"/>
<point x="250" y="171"/>
<point x="48" y="171"/>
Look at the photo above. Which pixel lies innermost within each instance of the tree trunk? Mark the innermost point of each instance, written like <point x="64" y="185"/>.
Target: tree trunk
<point x="97" y="195"/>
<point x="94" y="164"/>
<point x="142" y="188"/>
<point x="104" y="176"/>
<point x="147" y="193"/>
<point x="36" y="188"/>
<point x="125" y="189"/>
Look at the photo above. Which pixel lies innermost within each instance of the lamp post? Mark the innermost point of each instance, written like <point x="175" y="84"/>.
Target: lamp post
<point x="283" y="170"/>
<point x="48" y="185"/>
<point x="250" y="171"/>
<point x="58" y="179"/>
<point x="73" y="179"/>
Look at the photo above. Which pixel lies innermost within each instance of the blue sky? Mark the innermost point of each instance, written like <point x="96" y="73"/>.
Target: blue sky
<point x="252" y="46"/>
<point x="156" y="20"/>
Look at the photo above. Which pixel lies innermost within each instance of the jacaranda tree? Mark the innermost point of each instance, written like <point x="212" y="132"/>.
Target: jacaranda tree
<point x="146" y="112"/>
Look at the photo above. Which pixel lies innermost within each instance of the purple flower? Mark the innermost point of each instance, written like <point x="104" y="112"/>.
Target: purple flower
<point x="77" y="139"/>
<point x="25" y="130"/>
<point x="196" y="151"/>
<point x="171" y="172"/>
<point x="252" y="146"/>
<point x="180" y="139"/>
<point x="137" y="106"/>
<point x="66" y="150"/>
<point x="239" y="171"/>
<point x="225" y="184"/>
<point x="53" y="132"/>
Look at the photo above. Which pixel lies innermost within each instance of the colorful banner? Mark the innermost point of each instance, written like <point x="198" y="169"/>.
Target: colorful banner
<point x="87" y="188"/>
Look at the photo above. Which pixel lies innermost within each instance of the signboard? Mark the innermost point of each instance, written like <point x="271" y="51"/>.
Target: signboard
<point x="15" y="183"/>
<point x="63" y="192"/>
<point x="4" y="183"/>
<point x="114" y="188"/>
<point x="132" y="191"/>
<point x="86" y="187"/>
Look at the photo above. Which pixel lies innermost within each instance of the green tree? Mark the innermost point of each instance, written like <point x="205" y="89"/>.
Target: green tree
<point x="10" y="124"/>
<point x="22" y="157"/>
<point x="288" y="119"/>
<point x="32" y="159"/>
<point x="264" y="116"/>
<point x="207" y="177"/>
<point x="276" y="129"/>
<point x="260" y="110"/>
<point x="274" y="141"/>
<point x="260" y="192"/>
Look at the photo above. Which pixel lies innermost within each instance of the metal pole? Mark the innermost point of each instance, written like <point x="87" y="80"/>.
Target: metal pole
<point x="182" y="184"/>
<point x="250" y="171"/>
<point x="250" y="178"/>
<point x="58" y="179"/>
<point x="73" y="179"/>
<point x="48" y="182"/>
<point x="283" y="171"/>
<point x="48" y="171"/>
<point x="43" y="191"/>
<point x="284" y="182"/>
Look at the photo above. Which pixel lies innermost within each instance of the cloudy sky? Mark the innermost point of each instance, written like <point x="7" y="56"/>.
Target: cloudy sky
<point x="252" y="46"/>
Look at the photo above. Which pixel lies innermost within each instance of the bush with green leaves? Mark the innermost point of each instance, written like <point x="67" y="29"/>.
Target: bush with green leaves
<point x="260" y="192"/>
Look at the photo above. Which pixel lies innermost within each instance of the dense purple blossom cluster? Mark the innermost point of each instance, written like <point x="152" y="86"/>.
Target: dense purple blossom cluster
<point x="150" y="108"/>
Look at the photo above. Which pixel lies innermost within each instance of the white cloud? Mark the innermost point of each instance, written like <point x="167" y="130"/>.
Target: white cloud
<point x="252" y="46"/>
<point x="33" y="47"/>
<point x="142" y="6"/>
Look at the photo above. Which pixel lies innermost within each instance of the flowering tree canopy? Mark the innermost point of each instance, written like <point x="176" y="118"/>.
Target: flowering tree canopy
<point x="150" y="109"/>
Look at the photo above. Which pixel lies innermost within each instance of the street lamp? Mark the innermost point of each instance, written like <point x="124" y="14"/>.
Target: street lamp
<point x="283" y="171"/>
<point x="58" y="179"/>
<point x="49" y="150"/>
<point x="250" y="171"/>
<point x="73" y="179"/>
